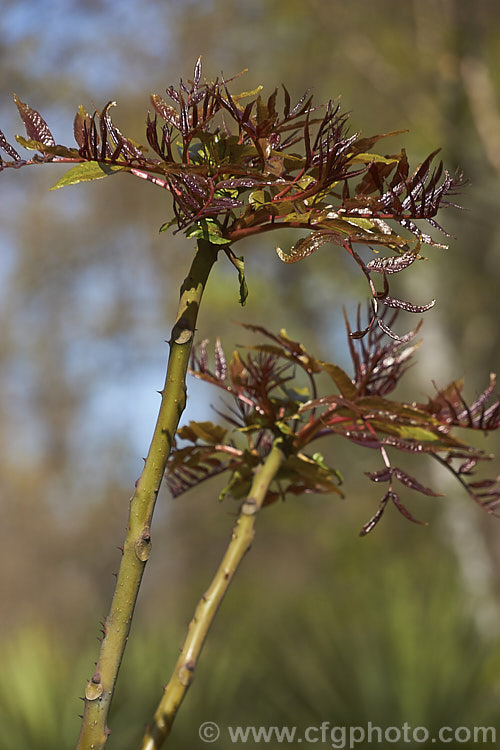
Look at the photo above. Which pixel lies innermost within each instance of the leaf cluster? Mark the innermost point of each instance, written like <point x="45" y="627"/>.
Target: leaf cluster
<point x="268" y="401"/>
<point x="240" y="164"/>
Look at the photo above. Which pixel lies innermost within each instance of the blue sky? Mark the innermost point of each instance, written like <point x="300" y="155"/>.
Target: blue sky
<point x="90" y="39"/>
<point x="109" y="48"/>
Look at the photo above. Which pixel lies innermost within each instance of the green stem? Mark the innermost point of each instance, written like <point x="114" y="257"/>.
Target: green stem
<point x="241" y="540"/>
<point x="137" y="546"/>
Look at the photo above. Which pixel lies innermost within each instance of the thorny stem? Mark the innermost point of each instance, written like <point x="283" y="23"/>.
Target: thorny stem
<point x="241" y="540"/>
<point x="137" y="546"/>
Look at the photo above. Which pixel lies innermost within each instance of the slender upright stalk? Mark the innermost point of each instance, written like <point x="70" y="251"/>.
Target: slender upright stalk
<point x="241" y="540"/>
<point x="137" y="546"/>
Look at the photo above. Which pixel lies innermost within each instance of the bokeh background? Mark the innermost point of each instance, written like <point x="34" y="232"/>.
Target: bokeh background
<point x="320" y="625"/>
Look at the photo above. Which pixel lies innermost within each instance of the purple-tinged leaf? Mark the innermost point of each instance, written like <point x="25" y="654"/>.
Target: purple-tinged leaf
<point x="172" y="93"/>
<point x="483" y="484"/>
<point x="94" y="140"/>
<point x="378" y="364"/>
<point x="404" y="511"/>
<point x="199" y="357"/>
<point x="413" y="483"/>
<point x="366" y="144"/>
<point x="451" y="408"/>
<point x="483" y="398"/>
<point x="220" y="361"/>
<point x="184" y="117"/>
<point x="392" y="263"/>
<point x="168" y="113"/>
<point x="468" y="466"/>
<point x="407" y="306"/>
<point x="286" y="109"/>
<point x="197" y="72"/>
<point x="8" y="148"/>
<point x="242" y="182"/>
<point x="302" y="105"/>
<point x="81" y="126"/>
<point x="488" y="499"/>
<point x="308" y="245"/>
<point x="183" y="87"/>
<point x="188" y="467"/>
<point x="384" y="475"/>
<point x="36" y="127"/>
<point x="105" y="126"/>
<point x="370" y="525"/>
<point x="122" y="143"/>
<point x="400" y="339"/>
<point x="394" y="498"/>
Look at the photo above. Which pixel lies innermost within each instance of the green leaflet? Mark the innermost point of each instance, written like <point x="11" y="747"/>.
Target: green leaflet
<point x="417" y="434"/>
<point x="32" y="145"/>
<point x="206" y="229"/>
<point x="297" y="395"/>
<point x="259" y="197"/>
<point x="206" y="431"/>
<point x="315" y="476"/>
<point x="284" y="428"/>
<point x="368" y="157"/>
<point x="340" y="378"/>
<point x="411" y="432"/>
<point x="244" y="94"/>
<point x="241" y="479"/>
<point x="167" y="224"/>
<point x="89" y="170"/>
<point x="240" y="265"/>
<point x="318" y="458"/>
<point x="306" y="181"/>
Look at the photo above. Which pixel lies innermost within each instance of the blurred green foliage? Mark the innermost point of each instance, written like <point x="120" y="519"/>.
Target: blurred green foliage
<point x="393" y="645"/>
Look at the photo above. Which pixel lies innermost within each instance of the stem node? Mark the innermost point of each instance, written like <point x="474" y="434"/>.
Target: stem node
<point x="249" y="507"/>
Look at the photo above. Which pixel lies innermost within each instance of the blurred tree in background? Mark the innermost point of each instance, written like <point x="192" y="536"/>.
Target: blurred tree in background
<point x="87" y="286"/>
